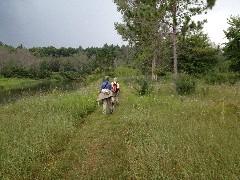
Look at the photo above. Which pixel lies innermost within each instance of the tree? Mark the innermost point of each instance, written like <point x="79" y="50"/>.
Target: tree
<point x="179" y="15"/>
<point x="44" y="70"/>
<point x="20" y="46"/>
<point x="145" y="24"/>
<point x="231" y="49"/>
<point x="141" y="28"/>
<point x="196" y="55"/>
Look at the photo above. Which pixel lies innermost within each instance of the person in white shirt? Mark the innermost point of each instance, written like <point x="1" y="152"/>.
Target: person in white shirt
<point x="115" y="91"/>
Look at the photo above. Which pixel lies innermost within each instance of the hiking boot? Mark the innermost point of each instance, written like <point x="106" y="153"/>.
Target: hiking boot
<point x="111" y="111"/>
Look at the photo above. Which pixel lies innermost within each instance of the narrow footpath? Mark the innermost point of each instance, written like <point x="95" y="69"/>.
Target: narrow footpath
<point x="98" y="149"/>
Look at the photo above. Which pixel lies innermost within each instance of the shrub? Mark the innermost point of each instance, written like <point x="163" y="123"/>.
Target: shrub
<point x="143" y="86"/>
<point x="185" y="84"/>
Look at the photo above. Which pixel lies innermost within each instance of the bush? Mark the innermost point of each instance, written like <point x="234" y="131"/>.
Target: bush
<point x="185" y="84"/>
<point x="143" y="86"/>
<point x="19" y="72"/>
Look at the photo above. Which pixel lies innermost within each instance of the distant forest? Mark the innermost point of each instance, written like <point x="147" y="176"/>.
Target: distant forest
<point x="66" y="63"/>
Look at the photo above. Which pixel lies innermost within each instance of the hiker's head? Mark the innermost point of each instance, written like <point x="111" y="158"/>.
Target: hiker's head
<point x="106" y="78"/>
<point x="115" y="79"/>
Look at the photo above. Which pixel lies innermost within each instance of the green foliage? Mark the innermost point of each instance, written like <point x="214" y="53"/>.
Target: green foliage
<point x="71" y="63"/>
<point x="196" y="56"/>
<point x="143" y="27"/>
<point x="222" y="78"/>
<point x="44" y="69"/>
<point x="140" y="27"/>
<point x="185" y="84"/>
<point x="103" y="57"/>
<point x="231" y="49"/>
<point x="143" y="86"/>
<point x="54" y="65"/>
<point x="20" y="72"/>
<point x="160" y="72"/>
<point x="125" y="71"/>
<point x="53" y="52"/>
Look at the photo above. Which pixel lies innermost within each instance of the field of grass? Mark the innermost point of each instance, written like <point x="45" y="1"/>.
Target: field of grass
<point x="158" y="136"/>
<point x="34" y="129"/>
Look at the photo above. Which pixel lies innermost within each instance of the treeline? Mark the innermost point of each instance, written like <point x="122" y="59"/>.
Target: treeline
<point x="196" y="56"/>
<point x="60" y="63"/>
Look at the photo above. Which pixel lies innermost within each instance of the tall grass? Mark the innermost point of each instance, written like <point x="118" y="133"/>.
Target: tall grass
<point x="33" y="130"/>
<point x="161" y="135"/>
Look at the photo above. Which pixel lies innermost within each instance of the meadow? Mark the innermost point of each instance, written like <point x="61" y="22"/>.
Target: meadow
<point x="161" y="135"/>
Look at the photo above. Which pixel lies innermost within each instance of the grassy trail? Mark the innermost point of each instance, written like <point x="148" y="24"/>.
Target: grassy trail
<point x="156" y="137"/>
<point x="98" y="148"/>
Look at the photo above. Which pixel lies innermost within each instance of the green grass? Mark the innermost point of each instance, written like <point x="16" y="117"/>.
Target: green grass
<point x="158" y="136"/>
<point x="16" y="83"/>
<point x="33" y="130"/>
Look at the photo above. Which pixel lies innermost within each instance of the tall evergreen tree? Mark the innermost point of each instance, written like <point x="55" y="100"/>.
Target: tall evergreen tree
<point x="141" y="28"/>
<point x="179" y="15"/>
<point x="232" y="48"/>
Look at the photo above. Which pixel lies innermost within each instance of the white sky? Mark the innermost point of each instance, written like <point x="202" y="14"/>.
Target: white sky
<point x="86" y="23"/>
<point x="217" y="19"/>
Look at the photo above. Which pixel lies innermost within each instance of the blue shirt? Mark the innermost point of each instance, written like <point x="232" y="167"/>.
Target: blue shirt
<point x="106" y="85"/>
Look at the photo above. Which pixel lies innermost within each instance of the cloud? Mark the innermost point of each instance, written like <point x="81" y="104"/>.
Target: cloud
<point x="58" y="23"/>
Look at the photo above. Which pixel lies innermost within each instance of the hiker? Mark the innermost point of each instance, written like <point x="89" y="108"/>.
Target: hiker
<point x="105" y="95"/>
<point x="116" y="91"/>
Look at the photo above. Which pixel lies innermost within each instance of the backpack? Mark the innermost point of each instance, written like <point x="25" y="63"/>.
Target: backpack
<point x="114" y="89"/>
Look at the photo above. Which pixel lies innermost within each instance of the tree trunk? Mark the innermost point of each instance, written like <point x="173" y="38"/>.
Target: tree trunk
<point x="154" y="75"/>
<point x="174" y="36"/>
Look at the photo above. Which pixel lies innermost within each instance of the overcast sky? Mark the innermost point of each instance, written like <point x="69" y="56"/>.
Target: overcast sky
<point x="86" y="23"/>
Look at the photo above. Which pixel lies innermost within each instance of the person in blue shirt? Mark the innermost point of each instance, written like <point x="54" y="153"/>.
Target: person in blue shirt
<point x="105" y="95"/>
